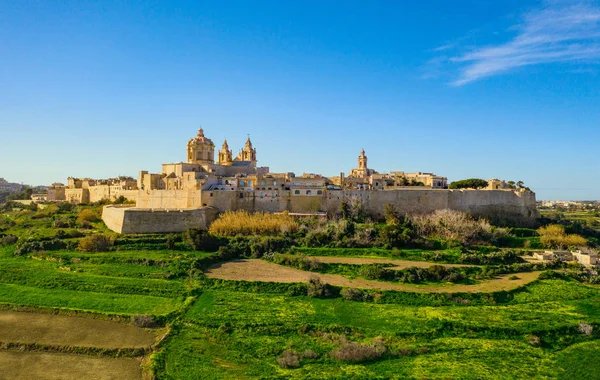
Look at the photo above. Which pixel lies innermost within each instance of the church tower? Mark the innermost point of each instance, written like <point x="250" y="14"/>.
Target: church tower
<point x="201" y="150"/>
<point x="362" y="161"/>
<point x="248" y="153"/>
<point x="225" y="155"/>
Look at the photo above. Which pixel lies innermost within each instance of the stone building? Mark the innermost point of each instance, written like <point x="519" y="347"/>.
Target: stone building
<point x="363" y="178"/>
<point x="198" y="188"/>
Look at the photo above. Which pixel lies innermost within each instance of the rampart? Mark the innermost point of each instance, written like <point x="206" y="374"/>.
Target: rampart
<point x="128" y="220"/>
<point x="177" y="210"/>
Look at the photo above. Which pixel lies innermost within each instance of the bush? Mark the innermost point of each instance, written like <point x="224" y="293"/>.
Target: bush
<point x="232" y="223"/>
<point x="374" y="272"/>
<point x="96" y="243"/>
<point x="358" y="353"/>
<point x="289" y="359"/>
<point x="200" y="240"/>
<point x="39" y="245"/>
<point x="260" y="246"/>
<point x="533" y="340"/>
<point x="352" y="294"/>
<point x="310" y="354"/>
<point x="318" y="289"/>
<point x="8" y="240"/>
<point x="458" y="226"/>
<point x="554" y="236"/>
<point x="585" y="329"/>
<point x="171" y="240"/>
<point x="143" y="321"/>
<point x="87" y="215"/>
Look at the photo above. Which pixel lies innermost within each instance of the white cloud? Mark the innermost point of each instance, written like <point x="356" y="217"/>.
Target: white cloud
<point x="557" y="32"/>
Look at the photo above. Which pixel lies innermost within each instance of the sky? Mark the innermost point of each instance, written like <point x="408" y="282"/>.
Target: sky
<point x="472" y="88"/>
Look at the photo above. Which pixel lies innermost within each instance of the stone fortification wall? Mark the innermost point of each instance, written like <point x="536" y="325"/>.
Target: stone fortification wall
<point x="129" y="220"/>
<point x="496" y="205"/>
<point x="168" y="199"/>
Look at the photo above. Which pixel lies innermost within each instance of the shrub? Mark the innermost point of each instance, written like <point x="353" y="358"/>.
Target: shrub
<point x="39" y="245"/>
<point x="65" y="207"/>
<point x="352" y="294"/>
<point x="289" y="359"/>
<point x="458" y="226"/>
<point x="171" y="240"/>
<point x="8" y="240"/>
<point x="554" y="236"/>
<point x="310" y="354"/>
<point x="233" y="223"/>
<point x="318" y="289"/>
<point x="87" y="215"/>
<point x="585" y="329"/>
<point x="260" y="246"/>
<point x="357" y="353"/>
<point x="373" y="271"/>
<point x="200" y="240"/>
<point x="96" y="243"/>
<point x="513" y="277"/>
<point x="143" y="321"/>
<point x="534" y="340"/>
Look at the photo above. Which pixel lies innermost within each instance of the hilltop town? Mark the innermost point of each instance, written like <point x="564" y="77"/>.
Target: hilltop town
<point x="200" y="188"/>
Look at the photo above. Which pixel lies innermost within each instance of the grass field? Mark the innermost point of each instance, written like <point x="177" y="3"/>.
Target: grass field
<point x="242" y="318"/>
<point x="240" y="335"/>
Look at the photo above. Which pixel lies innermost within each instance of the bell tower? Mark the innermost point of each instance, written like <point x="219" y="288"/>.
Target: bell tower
<point x="225" y="155"/>
<point x="201" y="150"/>
<point x="362" y="161"/>
<point x="248" y="153"/>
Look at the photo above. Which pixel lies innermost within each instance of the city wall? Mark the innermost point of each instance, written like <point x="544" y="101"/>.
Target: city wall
<point x="178" y="210"/>
<point x="129" y="220"/>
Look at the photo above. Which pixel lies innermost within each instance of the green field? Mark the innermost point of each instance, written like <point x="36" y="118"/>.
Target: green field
<point x="225" y="329"/>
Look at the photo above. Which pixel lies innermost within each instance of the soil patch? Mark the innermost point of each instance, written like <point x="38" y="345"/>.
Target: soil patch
<point x="260" y="270"/>
<point x="63" y="330"/>
<point x="45" y="366"/>
<point x="398" y="264"/>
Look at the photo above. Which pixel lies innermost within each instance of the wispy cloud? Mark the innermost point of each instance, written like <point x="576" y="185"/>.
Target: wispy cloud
<point x="557" y="32"/>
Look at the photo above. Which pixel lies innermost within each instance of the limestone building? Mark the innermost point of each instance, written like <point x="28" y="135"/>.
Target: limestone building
<point x="189" y="194"/>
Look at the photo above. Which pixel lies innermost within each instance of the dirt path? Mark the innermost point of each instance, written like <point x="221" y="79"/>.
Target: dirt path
<point x="398" y="264"/>
<point x="50" y="329"/>
<point x="260" y="270"/>
<point x="45" y="366"/>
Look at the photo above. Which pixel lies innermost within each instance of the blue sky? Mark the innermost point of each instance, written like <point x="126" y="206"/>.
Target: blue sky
<point x="506" y="89"/>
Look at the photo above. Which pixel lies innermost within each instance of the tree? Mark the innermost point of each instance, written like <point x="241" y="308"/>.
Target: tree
<point x="520" y="184"/>
<point x="511" y="184"/>
<point x="471" y="183"/>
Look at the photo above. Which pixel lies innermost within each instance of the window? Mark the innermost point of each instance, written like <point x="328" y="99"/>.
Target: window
<point x="249" y="183"/>
<point x="274" y="183"/>
<point x="211" y="194"/>
<point x="319" y="192"/>
<point x="269" y="188"/>
<point x="262" y="195"/>
<point x="308" y="192"/>
<point x="272" y="195"/>
<point x="241" y="195"/>
<point x="297" y="192"/>
<point x="262" y="183"/>
<point x="241" y="183"/>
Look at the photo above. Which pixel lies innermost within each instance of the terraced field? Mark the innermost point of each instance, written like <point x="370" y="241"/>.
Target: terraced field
<point x="260" y="270"/>
<point x="62" y="330"/>
<point x="50" y="366"/>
